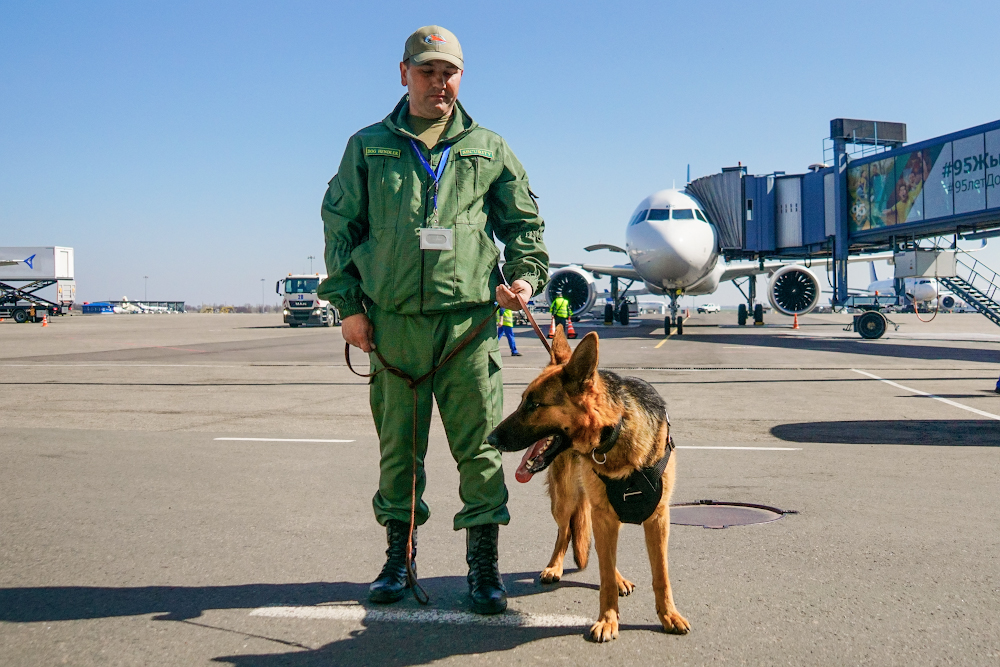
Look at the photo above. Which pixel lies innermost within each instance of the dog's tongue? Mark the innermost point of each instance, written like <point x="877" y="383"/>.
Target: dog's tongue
<point x="522" y="474"/>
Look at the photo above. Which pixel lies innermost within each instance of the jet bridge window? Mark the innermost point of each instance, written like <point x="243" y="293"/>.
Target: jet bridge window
<point x="659" y="214"/>
<point x="683" y="214"/>
<point x="639" y="217"/>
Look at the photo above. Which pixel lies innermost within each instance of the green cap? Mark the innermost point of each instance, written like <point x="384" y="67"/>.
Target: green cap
<point x="432" y="42"/>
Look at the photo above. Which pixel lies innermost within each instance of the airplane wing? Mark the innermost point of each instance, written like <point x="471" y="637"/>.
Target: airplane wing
<point x="744" y="269"/>
<point x="619" y="270"/>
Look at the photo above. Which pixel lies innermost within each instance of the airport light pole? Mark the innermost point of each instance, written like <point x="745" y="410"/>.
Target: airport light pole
<point x="262" y="295"/>
<point x="310" y="258"/>
<point x="145" y="288"/>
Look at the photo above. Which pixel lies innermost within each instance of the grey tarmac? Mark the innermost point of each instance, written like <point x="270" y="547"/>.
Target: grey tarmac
<point x="130" y="534"/>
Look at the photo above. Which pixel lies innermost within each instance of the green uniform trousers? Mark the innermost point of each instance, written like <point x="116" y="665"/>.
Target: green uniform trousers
<point x="469" y="394"/>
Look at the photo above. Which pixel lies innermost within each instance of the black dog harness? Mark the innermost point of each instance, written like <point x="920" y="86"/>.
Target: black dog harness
<point x="635" y="497"/>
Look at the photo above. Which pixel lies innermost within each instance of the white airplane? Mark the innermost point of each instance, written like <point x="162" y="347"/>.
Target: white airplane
<point x="674" y="251"/>
<point x="918" y="290"/>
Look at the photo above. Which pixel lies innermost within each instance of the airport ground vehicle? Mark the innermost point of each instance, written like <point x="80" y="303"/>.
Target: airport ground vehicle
<point x="301" y="305"/>
<point x="26" y="271"/>
<point x="709" y="308"/>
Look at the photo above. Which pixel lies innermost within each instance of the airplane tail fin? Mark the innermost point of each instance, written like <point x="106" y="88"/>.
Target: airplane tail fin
<point x="30" y="261"/>
<point x="874" y="276"/>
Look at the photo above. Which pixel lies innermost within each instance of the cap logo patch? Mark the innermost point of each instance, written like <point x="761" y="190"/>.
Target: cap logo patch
<point x="435" y="39"/>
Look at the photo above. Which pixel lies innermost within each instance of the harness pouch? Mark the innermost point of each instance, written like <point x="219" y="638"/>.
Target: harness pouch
<point x="635" y="497"/>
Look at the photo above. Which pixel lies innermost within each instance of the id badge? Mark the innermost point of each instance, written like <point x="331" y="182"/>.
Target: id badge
<point x="435" y="238"/>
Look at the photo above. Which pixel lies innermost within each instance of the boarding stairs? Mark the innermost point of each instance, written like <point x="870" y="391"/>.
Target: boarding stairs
<point x="977" y="285"/>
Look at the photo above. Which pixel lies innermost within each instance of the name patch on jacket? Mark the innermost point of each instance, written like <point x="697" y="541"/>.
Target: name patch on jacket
<point x="381" y="152"/>
<point x="475" y="152"/>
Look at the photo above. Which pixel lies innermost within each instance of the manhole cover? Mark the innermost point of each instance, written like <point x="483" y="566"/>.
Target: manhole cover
<point x="718" y="514"/>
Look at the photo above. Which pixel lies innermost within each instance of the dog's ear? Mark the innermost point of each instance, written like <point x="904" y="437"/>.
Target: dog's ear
<point x="582" y="366"/>
<point x="561" y="351"/>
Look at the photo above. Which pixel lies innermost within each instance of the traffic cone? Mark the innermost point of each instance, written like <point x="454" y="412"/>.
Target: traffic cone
<point x="570" y="331"/>
<point x="552" y="328"/>
<point x="45" y="320"/>
<point x="795" y="321"/>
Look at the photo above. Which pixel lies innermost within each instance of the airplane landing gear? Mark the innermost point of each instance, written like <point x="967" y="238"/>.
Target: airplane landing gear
<point x="666" y="325"/>
<point x="680" y="325"/>
<point x="751" y="296"/>
<point x="623" y="313"/>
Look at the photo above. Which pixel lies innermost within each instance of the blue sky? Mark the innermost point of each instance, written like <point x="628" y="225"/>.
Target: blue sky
<point x="192" y="141"/>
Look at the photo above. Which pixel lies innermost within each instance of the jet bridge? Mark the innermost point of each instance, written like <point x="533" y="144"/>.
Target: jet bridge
<point x="887" y="196"/>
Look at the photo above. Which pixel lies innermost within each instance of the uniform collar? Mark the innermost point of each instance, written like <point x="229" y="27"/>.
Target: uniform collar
<point x="460" y="125"/>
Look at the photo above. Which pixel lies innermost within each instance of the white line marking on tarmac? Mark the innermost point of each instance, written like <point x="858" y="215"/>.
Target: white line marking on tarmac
<point x="924" y="393"/>
<point x="758" y="449"/>
<point x="355" y="612"/>
<point x="281" y="440"/>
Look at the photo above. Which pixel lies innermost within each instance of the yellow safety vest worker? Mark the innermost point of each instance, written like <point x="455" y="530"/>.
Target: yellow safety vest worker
<point x="505" y="318"/>
<point x="560" y="307"/>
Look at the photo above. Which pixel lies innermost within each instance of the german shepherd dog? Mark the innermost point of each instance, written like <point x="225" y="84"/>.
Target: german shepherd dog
<point x="569" y="414"/>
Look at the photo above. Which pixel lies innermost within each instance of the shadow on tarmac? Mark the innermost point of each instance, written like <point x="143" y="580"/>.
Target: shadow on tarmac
<point x="381" y="643"/>
<point x="857" y="346"/>
<point x="179" y="603"/>
<point x="943" y="432"/>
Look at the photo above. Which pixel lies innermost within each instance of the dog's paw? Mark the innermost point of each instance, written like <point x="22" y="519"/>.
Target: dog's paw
<point x="551" y="575"/>
<point x="675" y="624"/>
<point x="624" y="585"/>
<point x="604" y="631"/>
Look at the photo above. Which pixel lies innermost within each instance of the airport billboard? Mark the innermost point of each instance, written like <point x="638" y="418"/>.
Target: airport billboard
<point x="942" y="178"/>
<point x="37" y="263"/>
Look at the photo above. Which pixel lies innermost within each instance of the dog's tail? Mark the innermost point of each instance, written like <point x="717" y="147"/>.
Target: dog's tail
<point x="580" y="530"/>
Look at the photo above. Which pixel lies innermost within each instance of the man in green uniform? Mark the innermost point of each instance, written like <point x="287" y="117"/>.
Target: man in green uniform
<point x="560" y="309"/>
<point x="410" y="221"/>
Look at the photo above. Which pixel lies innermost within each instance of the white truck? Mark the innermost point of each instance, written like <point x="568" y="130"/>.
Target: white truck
<point x="300" y="305"/>
<point x="709" y="308"/>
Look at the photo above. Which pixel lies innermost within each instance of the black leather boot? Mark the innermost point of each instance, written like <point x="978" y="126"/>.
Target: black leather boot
<point x="485" y="584"/>
<point x="391" y="584"/>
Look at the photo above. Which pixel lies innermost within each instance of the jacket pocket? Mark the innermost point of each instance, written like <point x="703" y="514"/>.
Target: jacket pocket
<point x="475" y="264"/>
<point x="372" y="261"/>
<point x="387" y="176"/>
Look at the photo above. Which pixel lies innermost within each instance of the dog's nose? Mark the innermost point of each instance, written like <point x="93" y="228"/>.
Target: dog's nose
<point x="492" y="439"/>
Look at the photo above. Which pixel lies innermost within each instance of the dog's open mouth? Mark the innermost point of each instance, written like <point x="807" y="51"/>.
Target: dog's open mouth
<point x="540" y="455"/>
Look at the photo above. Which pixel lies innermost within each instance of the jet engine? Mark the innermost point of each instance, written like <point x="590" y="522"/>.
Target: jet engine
<point x="576" y="285"/>
<point x="793" y="290"/>
<point x="948" y="302"/>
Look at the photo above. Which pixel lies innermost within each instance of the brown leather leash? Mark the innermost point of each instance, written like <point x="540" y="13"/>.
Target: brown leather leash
<point x="418" y="591"/>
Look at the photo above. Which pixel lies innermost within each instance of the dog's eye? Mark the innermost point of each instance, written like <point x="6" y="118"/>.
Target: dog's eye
<point x="531" y="405"/>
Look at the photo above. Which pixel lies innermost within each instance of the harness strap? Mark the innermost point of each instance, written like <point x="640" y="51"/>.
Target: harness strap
<point x="609" y="436"/>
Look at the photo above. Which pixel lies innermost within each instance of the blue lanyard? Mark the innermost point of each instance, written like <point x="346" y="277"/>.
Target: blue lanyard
<point x="435" y="175"/>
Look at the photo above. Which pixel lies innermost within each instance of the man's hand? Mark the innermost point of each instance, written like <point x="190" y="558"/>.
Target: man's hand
<point x="357" y="330"/>
<point x="505" y="295"/>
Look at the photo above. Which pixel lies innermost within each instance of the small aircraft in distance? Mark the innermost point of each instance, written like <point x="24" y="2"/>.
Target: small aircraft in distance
<point x="15" y="262"/>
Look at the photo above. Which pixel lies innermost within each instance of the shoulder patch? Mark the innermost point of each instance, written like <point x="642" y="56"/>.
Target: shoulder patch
<point x="475" y="152"/>
<point x="381" y="152"/>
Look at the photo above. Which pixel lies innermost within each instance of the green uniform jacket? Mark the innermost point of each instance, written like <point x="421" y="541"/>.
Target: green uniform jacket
<point x="381" y="195"/>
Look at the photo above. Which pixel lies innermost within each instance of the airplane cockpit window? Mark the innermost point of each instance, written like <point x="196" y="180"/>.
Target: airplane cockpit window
<point x="639" y="217"/>
<point x="700" y="215"/>
<point x="659" y="214"/>
<point x="301" y="285"/>
<point x="683" y="214"/>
